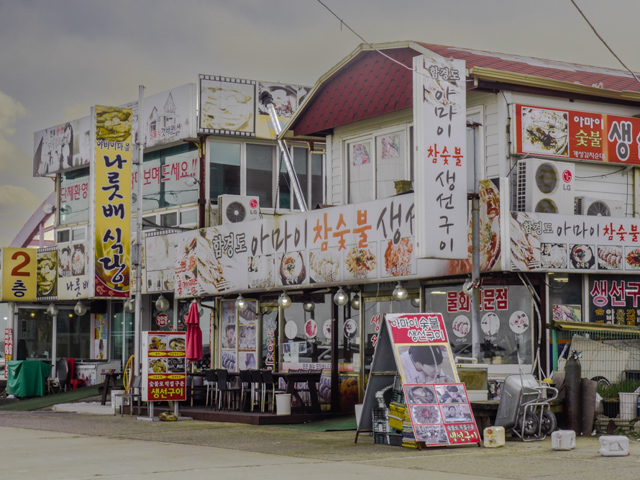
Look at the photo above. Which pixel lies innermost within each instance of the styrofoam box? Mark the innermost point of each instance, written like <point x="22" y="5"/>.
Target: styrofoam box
<point x="563" y="440"/>
<point x="494" y="437"/>
<point x="614" y="446"/>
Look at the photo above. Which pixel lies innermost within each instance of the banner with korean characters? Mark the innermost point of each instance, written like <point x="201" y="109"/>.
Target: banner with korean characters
<point x="361" y="243"/>
<point x="19" y="274"/>
<point x="8" y="349"/>
<point x="613" y="299"/>
<point x="550" y="242"/>
<point x="577" y="135"/>
<point x="73" y="271"/>
<point x="159" y="254"/>
<point x="112" y="213"/>
<point x="439" y="96"/>
<point x="437" y="402"/>
<point x="164" y="366"/>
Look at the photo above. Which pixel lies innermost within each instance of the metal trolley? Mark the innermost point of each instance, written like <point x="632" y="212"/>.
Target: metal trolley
<point x="524" y="407"/>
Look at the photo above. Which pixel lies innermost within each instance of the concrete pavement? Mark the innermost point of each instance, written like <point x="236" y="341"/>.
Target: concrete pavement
<point x="55" y="445"/>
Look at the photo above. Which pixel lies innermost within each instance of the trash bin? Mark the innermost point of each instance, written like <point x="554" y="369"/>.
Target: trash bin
<point x="283" y="404"/>
<point x="116" y="401"/>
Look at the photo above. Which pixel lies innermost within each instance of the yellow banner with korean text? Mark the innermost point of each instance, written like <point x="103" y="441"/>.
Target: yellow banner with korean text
<point x="19" y="274"/>
<point x="112" y="202"/>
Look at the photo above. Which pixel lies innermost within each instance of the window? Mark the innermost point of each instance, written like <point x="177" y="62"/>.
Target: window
<point x="164" y="178"/>
<point x="256" y="169"/>
<point x="73" y="198"/>
<point x="374" y="164"/>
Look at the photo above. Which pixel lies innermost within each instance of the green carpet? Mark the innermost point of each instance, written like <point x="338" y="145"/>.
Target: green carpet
<point x="341" y="423"/>
<point x="36" y="403"/>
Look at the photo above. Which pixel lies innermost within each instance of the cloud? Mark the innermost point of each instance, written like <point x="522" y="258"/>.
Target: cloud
<point x="10" y="111"/>
<point x="17" y="204"/>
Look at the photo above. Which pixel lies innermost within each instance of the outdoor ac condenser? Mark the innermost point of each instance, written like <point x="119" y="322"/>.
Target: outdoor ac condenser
<point x="237" y="208"/>
<point x="545" y="186"/>
<point x="599" y="208"/>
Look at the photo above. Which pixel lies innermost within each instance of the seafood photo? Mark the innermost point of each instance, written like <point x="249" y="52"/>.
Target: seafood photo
<point x="545" y="131"/>
<point x="360" y="262"/>
<point x="609" y="257"/>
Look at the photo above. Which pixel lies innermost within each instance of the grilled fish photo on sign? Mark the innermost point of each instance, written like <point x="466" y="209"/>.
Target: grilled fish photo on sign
<point x="545" y="131"/>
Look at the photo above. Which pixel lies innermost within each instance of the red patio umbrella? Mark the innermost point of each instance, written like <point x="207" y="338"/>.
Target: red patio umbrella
<point x="194" y="334"/>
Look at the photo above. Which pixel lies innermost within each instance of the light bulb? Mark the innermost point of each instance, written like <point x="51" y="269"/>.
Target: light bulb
<point x="80" y="309"/>
<point x="162" y="304"/>
<point x="130" y="305"/>
<point x="341" y="298"/>
<point x="308" y="306"/>
<point x="355" y="302"/>
<point x="241" y="303"/>
<point x="284" y="301"/>
<point x="400" y="293"/>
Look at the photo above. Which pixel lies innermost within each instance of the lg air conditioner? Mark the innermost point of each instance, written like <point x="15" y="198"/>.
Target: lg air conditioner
<point x="598" y="208"/>
<point x="545" y="186"/>
<point x="237" y="208"/>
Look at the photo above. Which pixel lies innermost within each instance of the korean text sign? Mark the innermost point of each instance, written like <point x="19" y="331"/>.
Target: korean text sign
<point x="164" y="366"/>
<point x="441" y="170"/>
<point x="19" y="274"/>
<point x="113" y="202"/>
<point x="577" y="135"/>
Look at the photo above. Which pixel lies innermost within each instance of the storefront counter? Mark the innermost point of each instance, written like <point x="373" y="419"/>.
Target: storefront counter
<point x="27" y="378"/>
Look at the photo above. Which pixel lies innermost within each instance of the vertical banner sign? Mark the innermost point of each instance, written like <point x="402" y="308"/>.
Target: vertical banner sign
<point x="164" y="366"/>
<point x="19" y="274"/>
<point x="439" y="105"/>
<point x="113" y="202"/>
<point x="8" y="348"/>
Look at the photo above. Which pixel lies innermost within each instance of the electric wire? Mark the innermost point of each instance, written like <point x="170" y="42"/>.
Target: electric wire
<point x="603" y="41"/>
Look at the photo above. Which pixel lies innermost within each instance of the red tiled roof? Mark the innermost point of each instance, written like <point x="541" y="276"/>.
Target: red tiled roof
<point x="617" y="80"/>
<point x="370" y="84"/>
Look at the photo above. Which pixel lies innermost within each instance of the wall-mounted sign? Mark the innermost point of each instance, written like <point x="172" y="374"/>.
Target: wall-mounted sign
<point x="19" y="274"/>
<point x="62" y="147"/>
<point x="439" y="106"/>
<point x="576" y="135"/>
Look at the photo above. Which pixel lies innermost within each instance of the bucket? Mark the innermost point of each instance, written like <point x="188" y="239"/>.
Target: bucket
<point x="283" y="404"/>
<point x="116" y="401"/>
<point x="563" y="440"/>
<point x="628" y="405"/>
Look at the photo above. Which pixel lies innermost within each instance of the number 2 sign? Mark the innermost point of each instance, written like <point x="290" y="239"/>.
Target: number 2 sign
<point x="19" y="274"/>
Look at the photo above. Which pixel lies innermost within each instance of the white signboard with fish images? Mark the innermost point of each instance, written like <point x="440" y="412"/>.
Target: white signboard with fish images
<point x="551" y="242"/>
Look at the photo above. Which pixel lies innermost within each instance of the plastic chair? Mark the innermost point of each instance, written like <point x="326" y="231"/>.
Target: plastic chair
<point x="245" y="387"/>
<point x="269" y="386"/>
<point x="224" y="388"/>
<point x="134" y="393"/>
<point x="74" y="383"/>
<point x="257" y="388"/>
<point x="211" y="381"/>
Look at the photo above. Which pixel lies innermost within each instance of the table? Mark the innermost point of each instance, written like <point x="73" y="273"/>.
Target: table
<point x="109" y="381"/>
<point x="27" y="378"/>
<point x="294" y="378"/>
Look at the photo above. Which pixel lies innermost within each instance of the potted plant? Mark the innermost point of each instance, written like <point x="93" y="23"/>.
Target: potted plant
<point x="611" y="396"/>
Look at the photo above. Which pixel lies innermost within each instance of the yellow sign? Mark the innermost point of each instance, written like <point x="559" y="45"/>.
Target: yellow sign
<point x="113" y="202"/>
<point x="19" y="274"/>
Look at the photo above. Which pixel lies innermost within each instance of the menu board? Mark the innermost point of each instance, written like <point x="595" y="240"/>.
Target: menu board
<point x="164" y="366"/>
<point x="441" y="414"/>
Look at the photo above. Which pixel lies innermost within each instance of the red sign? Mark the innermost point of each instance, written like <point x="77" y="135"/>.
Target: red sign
<point x="577" y="135"/>
<point x="162" y="320"/>
<point x="165" y="371"/>
<point x="8" y="348"/>
<point x="417" y="328"/>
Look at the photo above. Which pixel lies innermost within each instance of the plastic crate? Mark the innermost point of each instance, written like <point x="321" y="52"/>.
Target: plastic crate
<point x="381" y="420"/>
<point x="394" y="439"/>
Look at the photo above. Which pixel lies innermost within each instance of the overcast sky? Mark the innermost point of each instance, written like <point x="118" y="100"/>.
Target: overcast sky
<point x="59" y="57"/>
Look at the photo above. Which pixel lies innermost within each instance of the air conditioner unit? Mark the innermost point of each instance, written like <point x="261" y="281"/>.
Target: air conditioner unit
<point x="598" y="208"/>
<point x="237" y="208"/>
<point x="545" y="186"/>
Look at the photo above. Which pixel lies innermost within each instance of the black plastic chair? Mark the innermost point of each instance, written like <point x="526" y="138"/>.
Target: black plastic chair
<point x="257" y="388"/>
<point x="224" y="388"/>
<point x="245" y="386"/>
<point x="269" y="387"/>
<point x="211" y="382"/>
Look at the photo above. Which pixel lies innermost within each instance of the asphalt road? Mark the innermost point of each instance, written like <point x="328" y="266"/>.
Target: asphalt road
<point x="54" y="445"/>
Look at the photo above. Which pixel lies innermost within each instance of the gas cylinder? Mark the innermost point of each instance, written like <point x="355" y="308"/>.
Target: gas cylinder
<point x="573" y="396"/>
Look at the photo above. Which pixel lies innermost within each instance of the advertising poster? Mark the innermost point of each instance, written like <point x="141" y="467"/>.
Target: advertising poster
<point x="577" y="135"/>
<point x="164" y="366"/>
<point x="74" y="198"/>
<point x="168" y="117"/>
<point x="62" y="147"/>
<point x="227" y="106"/>
<point x="19" y="274"/>
<point x="551" y="242"/>
<point x="8" y="348"/>
<point x="286" y="100"/>
<point x="159" y="251"/>
<point x="112" y="202"/>
<point x="100" y="336"/>
<point x="613" y="299"/>
<point x="441" y="414"/>
<point x="47" y="260"/>
<point x="73" y="274"/>
<point x="441" y="170"/>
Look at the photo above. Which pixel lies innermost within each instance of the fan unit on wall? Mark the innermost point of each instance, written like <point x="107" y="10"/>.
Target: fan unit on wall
<point x="545" y="186"/>
<point x="237" y="208"/>
<point x="598" y="208"/>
